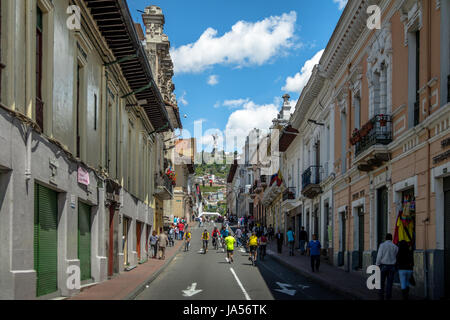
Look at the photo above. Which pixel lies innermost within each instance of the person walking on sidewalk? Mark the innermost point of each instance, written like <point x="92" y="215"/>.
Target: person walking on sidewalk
<point x="271" y="232"/>
<point x="279" y="237"/>
<point x="291" y="241"/>
<point x="386" y="260"/>
<point x="163" y="241"/>
<point x="154" y="244"/>
<point x="314" y="247"/>
<point x="405" y="266"/>
<point x="181" y="229"/>
<point x="303" y="240"/>
<point x="171" y="236"/>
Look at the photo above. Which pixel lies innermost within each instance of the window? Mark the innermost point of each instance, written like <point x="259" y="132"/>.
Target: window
<point x="78" y="135"/>
<point x="357" y="111"/>
<point x="95" y="112"/>
<point x="417" y="65"/>
<point x="39" y="62"/>
<point x="413" y="77"/>
<point x="343" y="141"/>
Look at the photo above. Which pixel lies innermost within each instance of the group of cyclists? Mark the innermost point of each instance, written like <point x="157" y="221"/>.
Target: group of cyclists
<point x="251" y="241"/>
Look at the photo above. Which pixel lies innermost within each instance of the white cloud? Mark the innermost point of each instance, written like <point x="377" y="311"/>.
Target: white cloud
<point x="183" y="100"/>
<point x="213" y="80"/>
<point x="247" y="43"/>
<point x="341" y="3"/>
<point x="299" y="81"/>
<point x="235" y="103"/>
<point x="251" y="116"/>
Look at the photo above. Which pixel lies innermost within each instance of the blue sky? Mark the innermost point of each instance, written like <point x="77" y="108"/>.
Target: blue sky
<point x="234" y="59"/>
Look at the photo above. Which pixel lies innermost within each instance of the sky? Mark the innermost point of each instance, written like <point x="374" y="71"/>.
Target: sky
<point x="235" y="59"/>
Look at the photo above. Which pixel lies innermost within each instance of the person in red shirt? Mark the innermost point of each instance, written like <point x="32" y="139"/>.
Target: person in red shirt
<point x="215" y="237"/>
<point x="181" y="228"/>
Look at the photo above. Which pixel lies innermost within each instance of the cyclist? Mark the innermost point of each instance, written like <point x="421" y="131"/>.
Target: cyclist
<point x="253" y="244"/>
<point x="224" y="233"/>
<point x="205" y="238"/>
<point x="187" y="240"/>
<point x="215" y="238"/>
<point x="230" y="241"/>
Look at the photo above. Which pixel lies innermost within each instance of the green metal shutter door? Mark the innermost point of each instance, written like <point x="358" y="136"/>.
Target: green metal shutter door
<point x="84" y="240"/>
<point x="46" y="240"/>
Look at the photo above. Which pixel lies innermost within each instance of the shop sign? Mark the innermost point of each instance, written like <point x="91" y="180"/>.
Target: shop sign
<point x="83" y="176"/>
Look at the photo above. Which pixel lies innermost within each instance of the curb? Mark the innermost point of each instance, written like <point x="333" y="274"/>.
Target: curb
<point x="345" y="293"/>
<point x="142" y="286"/>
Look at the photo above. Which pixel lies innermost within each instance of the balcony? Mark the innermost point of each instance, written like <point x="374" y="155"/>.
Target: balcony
<point x="264" y="181"/>
<point x="289" y="194"/>
<point x="371" y="143"/>
<point x="163" y="187"/>
<point x="311" y="180"/>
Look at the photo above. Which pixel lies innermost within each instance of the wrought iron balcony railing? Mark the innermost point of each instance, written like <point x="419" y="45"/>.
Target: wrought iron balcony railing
<point x="165" y="182"/>
<point x="376" y="131"/>
<point x="312" y="175"/>
<point x="289" y="194"/>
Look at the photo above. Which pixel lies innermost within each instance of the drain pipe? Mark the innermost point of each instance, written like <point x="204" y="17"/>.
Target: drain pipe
<point x="427" y="220"/>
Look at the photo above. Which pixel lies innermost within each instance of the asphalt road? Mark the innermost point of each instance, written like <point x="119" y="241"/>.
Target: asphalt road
<point x="193" y="275"/>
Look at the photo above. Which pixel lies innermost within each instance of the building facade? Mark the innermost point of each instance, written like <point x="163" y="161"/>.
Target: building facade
<point x="82" y="121"/>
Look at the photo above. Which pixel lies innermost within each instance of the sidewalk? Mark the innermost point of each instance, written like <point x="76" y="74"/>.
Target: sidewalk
<point x="350" y="284"/>
<point x="128" y="285"/>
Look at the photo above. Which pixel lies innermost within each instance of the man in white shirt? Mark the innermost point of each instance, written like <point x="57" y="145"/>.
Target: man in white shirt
<point x="386" y="260"/>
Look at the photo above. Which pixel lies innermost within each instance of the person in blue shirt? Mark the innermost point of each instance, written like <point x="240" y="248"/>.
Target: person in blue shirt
<point x="291" y="241"/>
<point x="314" y="247"/>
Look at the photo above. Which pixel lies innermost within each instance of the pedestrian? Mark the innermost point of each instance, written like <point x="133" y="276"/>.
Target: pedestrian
<point x="314" y="247"/>
<point x="386" y="260"/>
<point x="271" y="232"/>
<point x="238" y="234"/>
<point x="262" y="246"/>
<point x="163" y="241"/>
<point x="181" y="229"/>
<point x="291" y="241"/>
<point x="303" y="240"/>
<point x="177" y="232"/>
<point x="405" y="266"/>
<point x="279" y="237"/>
<point x="171" y="236"/>
<point x="154" y="244"/>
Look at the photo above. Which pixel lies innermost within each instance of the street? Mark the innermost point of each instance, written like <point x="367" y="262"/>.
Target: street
<point x="196" y="276"/>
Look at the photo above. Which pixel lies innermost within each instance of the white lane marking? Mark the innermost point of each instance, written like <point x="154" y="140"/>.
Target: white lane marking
<point x="227" y="259"/>
<point x="303" y="287"/>
<point x="285" y="289"/>
<point x="240" y="284"/>
<point x="242" y="250"/>
<point x="191" y="290"/>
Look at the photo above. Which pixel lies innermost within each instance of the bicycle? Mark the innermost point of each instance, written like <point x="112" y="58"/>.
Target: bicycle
<point x="205" y="246"/>
<point x="253" y="256"/>
<point x="215" y="243"/>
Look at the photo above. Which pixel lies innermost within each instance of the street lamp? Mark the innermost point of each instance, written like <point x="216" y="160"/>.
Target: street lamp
<point x="316" y="123"/>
